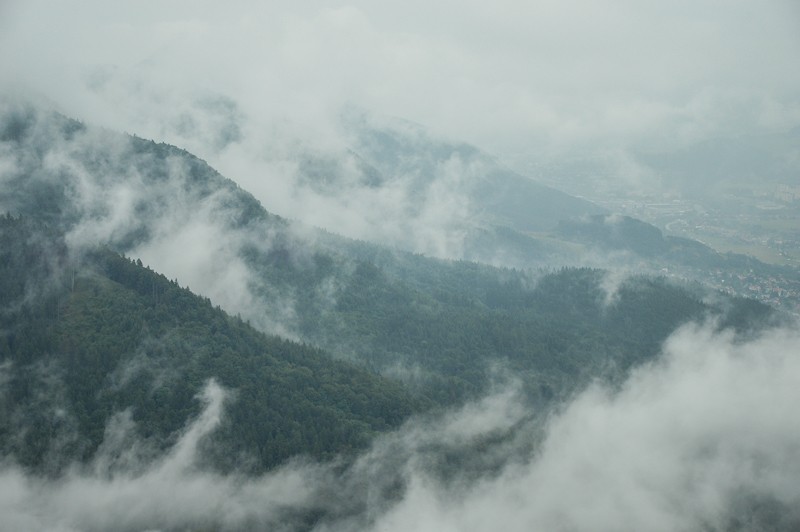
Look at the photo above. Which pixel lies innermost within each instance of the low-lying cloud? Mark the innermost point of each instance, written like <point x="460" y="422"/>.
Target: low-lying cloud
<point x="703" y="438"/>
<point x="170" y="493"/>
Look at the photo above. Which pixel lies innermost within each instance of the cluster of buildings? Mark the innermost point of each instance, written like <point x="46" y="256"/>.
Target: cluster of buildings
<point x="773" y="289"/>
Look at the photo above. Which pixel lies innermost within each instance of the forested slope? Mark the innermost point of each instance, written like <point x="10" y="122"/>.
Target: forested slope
<point x="83" y="341"/>
<point x="454" y="328"/>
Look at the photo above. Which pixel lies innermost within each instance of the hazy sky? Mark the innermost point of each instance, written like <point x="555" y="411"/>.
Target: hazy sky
<point x="514" y="77"/>
<point x="252" y="87"/>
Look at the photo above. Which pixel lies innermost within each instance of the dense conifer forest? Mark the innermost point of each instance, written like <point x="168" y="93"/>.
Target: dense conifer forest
<point x="88" y="338"/>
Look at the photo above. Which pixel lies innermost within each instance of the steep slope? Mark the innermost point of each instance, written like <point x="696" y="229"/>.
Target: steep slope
<point x="92" y="346"/>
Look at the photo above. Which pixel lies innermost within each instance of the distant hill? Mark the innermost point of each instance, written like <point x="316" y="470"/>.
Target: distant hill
<point x="772" y="158"/>
<point x="495" y="195"/>
<point x="623" y="233"/>
<point x="393" y="183"/>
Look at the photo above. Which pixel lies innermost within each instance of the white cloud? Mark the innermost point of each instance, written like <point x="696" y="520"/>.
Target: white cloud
<point x="168" y="493"/>
<point x="682" y="446"/>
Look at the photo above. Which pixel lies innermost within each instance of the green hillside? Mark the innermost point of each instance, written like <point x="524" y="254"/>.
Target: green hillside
<point x="83" y="341"/>
<point x="450" y="327"/>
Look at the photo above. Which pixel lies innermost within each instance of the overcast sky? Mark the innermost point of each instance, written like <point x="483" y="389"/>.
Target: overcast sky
<point x="512" y="76"/>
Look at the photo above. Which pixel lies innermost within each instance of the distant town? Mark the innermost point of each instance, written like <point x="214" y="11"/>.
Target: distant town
<point x="765" y="226"/>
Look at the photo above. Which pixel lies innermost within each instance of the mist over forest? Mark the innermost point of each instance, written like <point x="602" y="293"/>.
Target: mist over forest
<point x="363" y="266"/>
